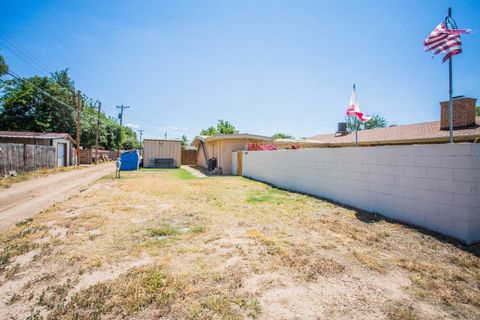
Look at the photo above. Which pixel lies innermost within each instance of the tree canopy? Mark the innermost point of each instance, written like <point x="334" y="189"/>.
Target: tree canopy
<point x="3" y="66"/>
<point x="223" y="127"/>
<point x="184" y="141"/>
<point x="282" y="136"/>
<point x="25" y="108"/>
<point x="375" y="122"/>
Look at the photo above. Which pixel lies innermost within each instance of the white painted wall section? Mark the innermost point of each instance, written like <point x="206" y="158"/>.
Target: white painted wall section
<point x="433" y="186"/>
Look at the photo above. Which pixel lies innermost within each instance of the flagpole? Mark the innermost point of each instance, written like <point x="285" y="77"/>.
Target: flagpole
<point x="356" y="124"/>
<point x="450" y="86"/>
<point x="356" y="132"/>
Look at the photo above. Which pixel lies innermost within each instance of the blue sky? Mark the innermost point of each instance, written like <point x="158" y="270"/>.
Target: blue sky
<point x="266" y="66"/>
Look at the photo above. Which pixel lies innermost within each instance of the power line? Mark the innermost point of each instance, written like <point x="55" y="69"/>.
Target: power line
<point x="13" y="74"/>
<point x="161" y="126"/>
<point x="88" y="73"/>
<point x="21" y="57"/>
<point x="9" y="43"/>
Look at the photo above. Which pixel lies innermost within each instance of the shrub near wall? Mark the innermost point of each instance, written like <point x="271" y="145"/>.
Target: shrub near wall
<point x="433" y="186"/>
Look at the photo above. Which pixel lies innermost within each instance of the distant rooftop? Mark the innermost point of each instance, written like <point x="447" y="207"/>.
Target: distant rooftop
<point x="426" y="132"/>
<point x="34" y="135"/>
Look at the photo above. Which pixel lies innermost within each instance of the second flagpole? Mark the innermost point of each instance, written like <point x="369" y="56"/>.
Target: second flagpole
<point x="450" y="84"/>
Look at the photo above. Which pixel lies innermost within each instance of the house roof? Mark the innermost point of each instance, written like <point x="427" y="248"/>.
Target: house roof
<point x="153" y="139"/>
<point x="34" y="135"/>
<point x="296" y="141"/>
<point x="426" y="132"/>
<point x="216" y="137"/>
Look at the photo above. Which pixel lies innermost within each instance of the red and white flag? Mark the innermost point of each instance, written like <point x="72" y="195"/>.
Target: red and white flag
<point x="354" y="110"/>
<point x="444" y="40"/>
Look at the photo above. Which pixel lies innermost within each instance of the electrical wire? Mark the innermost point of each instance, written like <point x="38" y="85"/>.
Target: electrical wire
<point x="13" y="74"/>
<point x="9" y="42"/>
<point x="88" y="73"/>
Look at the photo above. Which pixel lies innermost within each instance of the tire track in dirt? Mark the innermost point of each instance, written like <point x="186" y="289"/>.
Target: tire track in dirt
<point x="25" y="199"/>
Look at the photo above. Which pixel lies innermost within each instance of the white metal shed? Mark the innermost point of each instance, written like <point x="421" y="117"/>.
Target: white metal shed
<point x="161" y="149"/>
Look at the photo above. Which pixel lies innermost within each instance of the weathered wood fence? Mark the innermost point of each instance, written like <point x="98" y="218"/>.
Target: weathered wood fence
<point x="26" y="157"/>
<point x="87" y="156"/>
<point x="188" y="157"/>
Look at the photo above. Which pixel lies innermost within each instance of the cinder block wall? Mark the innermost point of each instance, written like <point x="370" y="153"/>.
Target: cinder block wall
<point x="433" y="186"/>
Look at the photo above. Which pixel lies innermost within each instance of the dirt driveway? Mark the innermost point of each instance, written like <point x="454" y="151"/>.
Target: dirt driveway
<point x="164" y="244"/>
<point x="24" y="199"/>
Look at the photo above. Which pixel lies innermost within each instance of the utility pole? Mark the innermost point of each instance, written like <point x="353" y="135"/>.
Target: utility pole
<point x="165" y="135"/>
<point x="78" y="126"/>
<point x="122" y="107"/>
<point x="98" y="131"/>
<point x="141" y="133"/>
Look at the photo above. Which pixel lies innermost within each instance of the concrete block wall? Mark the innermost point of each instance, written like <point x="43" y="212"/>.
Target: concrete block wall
<point x="433" y="186"/>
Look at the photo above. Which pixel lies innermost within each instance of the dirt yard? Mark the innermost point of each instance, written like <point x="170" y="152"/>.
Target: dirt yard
<point x="23" y="199"/>
<point x="163" y="244"/>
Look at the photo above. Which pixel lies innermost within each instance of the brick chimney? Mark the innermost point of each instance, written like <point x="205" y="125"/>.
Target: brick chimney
<point x="464" y="111"/>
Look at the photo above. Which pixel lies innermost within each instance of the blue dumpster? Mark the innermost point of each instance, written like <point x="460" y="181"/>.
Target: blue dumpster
<point x="129" y="160"/>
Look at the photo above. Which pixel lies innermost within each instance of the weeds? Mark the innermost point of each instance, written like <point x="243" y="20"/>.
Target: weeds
<point x="163" y="230"/>
<point x="25" y="222"/>
<point x="270" y="195"/>
<point x="401" y="311"/>
<point x="197" y="229"/>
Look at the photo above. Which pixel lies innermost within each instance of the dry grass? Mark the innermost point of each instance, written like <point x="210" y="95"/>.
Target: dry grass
<point x="7" y="182"/>
<point x="401" y="311"/>
<point x="164" y="244"/>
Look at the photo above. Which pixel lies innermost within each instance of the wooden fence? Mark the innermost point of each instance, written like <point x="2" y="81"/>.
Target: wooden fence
<point x="87" y="156"/>
<point x="189" y="157"/>
<point x="26" y="157"/>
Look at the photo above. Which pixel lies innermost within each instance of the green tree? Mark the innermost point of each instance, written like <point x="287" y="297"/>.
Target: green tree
<point x="130" y="140"/>
<point x="3" y="66"/>
<point x="184" y="141"/>
<point x="223" y="127"/>
<point x="375" y="122"/>
<point x="282" y="136"/>
<point x="24" y="108"/>
<point x="478" y="111"/>
<point x="210" y="131"/>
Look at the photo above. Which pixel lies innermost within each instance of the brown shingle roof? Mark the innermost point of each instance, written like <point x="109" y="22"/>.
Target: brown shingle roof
<point x="34" y="135"/>
<point x="426" y="132"/>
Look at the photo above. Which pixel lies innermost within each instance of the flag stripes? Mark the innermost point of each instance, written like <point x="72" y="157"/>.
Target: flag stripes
<point x="444" y="40"/>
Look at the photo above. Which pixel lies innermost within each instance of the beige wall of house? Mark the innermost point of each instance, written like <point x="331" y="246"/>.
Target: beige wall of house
<point x="222" y="150"/>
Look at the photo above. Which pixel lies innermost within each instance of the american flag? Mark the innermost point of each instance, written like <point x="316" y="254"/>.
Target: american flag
<point x="445" y="40"/>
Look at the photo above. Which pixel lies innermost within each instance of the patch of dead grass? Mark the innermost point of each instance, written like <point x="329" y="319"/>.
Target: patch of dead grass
<point x="401" y="311"/>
